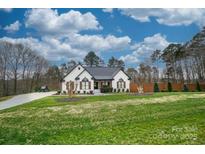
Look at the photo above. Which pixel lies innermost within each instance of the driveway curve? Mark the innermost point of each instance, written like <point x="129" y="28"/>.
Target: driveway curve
<point x="24" y="98"/>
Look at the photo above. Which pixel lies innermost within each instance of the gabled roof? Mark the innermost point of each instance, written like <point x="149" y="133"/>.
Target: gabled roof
<point x="102" y="73"/>
<point x="99" y="73"/>
<point x="71" y="68"/>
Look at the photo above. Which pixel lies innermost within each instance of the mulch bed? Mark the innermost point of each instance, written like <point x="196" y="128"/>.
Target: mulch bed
<point x="70" y="99"/>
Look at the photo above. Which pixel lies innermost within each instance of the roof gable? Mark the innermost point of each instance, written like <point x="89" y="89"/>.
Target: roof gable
<point x="71" y="69"/>
<point x="124" y="73"/>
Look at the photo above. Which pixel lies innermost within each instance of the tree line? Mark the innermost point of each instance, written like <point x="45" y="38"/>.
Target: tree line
<point x="91" y="60"/>
<point x="21" y="69"/>
<point x="180" y="63"/>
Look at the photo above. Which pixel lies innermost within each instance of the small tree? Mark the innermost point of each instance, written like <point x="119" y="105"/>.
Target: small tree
<point x="185" y="89"/>
<point x="156" y="87"/>
<point x="198" y="88"/>
<point x="169" y="87"/>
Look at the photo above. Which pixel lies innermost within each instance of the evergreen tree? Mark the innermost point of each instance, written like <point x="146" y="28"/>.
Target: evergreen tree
<point x="91" y="59"/>
<point x="156" y="87"/>
<point x="185" y="89"/>
<point x="113" y="62"/>
<point x="198" y="88"/>
<point x="169" y="87"/>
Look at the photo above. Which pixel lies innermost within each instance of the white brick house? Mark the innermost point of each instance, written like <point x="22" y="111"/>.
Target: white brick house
<point x="81" y="79"/>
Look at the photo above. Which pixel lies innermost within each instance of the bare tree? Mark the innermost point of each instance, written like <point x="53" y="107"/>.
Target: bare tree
<point x="4" y="59"/>
<point x="19" y="65"/>
<point x="15" y="60"/>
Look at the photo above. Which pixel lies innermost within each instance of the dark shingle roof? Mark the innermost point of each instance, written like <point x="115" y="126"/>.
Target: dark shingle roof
<point x="102" y="73"/>
<point x="99" y="73"/>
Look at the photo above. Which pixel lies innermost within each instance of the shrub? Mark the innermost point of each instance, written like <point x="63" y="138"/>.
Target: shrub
<point x="78" y="92"/>
<point x="123" y="90"/>
<point x="169" y="87"/>
<point x="198" y="88"/>
<point x="84" y="92"/>
<point x="118" y="90"/>
<point x="58" y="92"/>
<point x="185" y="89"/>
<point x="127" y="90"/>
<point x="114" y="90"/>
<point x="37" y="89"/>
<point x="64" y="92"/>
<point x="91" y="92"/>
<point x="106" y="89"/>
<point x="156" y="87"/>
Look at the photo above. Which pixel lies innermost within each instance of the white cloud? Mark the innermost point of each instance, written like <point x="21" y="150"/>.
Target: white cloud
<point x="130" y="58"/>
<point x="74" y="47"/>
<point x="50" y="48"/>
<point x="6" y="9"/>
<point x="99" y="43"/>
<point x="170" y="17"/>
<point x="59" y="35"/>
<point x="107" y="10"/>
<point x="48" y="21"/>
<point x="13" y="27"/>
<point x="143" y="50"/>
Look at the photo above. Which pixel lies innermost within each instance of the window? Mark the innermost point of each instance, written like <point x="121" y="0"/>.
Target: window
<point x="85" y="84"/>
<point x="78" y="68"/>
<point x="105" y="83"/>
<point x="121" y="83"/>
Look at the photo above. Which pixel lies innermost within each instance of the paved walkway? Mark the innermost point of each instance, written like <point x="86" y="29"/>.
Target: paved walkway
<point x="24" y="98"/>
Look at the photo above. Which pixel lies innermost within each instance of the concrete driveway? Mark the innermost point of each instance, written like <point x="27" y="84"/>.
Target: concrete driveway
<point x="24" y="98"/>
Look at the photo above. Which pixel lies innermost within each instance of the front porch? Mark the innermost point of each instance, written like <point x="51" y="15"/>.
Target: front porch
<point x="101" y="85"/>
<point x="98" y="84"/>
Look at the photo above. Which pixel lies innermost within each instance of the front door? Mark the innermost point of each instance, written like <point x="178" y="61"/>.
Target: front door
<point x="95" y="85"/>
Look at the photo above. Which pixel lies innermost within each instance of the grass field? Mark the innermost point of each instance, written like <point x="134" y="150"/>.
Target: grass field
<point x="162" y="118"/>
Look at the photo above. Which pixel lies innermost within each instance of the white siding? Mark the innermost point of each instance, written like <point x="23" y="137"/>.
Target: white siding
<point x="118" y="76"/>
<point x="83" y="75"/>
<point x="71" y="77"/>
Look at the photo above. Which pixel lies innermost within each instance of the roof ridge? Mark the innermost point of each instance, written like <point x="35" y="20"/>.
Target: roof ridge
<point x="101" y="67"/>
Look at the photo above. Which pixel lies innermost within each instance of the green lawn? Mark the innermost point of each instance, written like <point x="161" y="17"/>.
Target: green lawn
<point x="162" y="118"/>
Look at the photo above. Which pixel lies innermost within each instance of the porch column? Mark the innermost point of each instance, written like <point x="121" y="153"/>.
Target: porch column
<point x="100" y="84"/>
<point x="110" y="84"/>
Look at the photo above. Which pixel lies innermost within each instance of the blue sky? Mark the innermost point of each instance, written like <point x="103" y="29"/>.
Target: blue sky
<point x="128" y="34"/>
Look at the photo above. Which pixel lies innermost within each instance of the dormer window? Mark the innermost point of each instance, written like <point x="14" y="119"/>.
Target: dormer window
<point x="78" y="68"/>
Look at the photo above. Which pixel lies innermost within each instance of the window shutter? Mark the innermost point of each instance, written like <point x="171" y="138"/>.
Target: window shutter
<point x="124" y="84"/>
<point x="118" y="84"/>
<point x="89" y="85"/>
<point x="80" y="85"/>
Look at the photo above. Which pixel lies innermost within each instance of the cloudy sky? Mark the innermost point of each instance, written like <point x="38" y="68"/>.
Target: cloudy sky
<point x="128" y="34"/>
